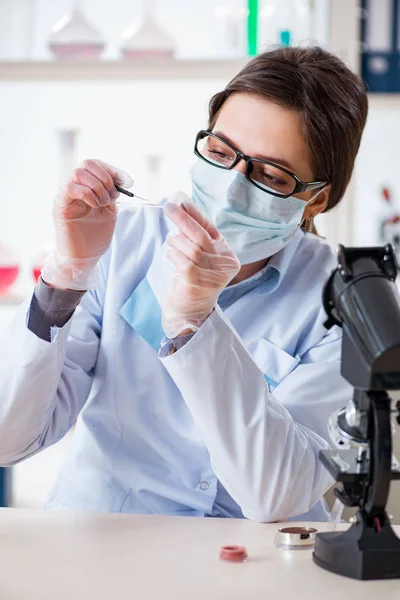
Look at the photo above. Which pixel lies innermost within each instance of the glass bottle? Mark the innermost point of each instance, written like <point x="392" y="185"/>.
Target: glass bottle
<point x="73" y="37"/>
<point x="147" y="39"/>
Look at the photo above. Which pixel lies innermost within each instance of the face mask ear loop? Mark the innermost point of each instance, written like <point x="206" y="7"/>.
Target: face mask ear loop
<point x="310" y="227"/>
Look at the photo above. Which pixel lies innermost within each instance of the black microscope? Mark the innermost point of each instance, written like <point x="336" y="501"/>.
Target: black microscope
<point x="362" y="297"/>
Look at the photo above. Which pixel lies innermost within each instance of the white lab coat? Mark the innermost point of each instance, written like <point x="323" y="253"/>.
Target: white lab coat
<point x="244" y="404"/>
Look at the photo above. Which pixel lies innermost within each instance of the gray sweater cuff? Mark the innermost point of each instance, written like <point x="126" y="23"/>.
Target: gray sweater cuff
<point x="51" y="307"/>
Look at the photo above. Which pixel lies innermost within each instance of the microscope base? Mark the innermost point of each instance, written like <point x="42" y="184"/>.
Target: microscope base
<point x="360" y="552"/>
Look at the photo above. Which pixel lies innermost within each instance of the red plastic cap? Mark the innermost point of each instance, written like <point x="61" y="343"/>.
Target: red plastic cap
<point x="233" y="553"/>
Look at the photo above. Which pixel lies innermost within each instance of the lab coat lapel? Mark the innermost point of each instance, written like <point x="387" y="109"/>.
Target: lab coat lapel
<point x="160" y="273"/>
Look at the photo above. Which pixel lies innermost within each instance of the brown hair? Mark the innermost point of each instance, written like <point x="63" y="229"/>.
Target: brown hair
<point x="331" y="100"/>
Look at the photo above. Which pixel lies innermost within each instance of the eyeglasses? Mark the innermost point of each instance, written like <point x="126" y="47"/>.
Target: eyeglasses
<point x="265" y="175"/>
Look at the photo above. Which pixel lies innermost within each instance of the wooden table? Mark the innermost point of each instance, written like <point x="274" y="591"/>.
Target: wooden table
<point x="48" y="555"/>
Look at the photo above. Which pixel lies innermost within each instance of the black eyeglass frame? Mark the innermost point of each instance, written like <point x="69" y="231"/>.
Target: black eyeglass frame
<point x="299" y="186"/>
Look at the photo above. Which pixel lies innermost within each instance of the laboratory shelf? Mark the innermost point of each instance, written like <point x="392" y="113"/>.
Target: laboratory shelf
<point x="118" y="70"/>
<point x="384" y="101"/>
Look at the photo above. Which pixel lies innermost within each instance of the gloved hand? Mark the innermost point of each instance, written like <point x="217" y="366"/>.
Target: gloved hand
<point x="205" y="265"/>
<point x="84" y="216"/>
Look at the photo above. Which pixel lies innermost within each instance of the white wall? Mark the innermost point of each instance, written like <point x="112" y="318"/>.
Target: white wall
<point x="378" y="165"/>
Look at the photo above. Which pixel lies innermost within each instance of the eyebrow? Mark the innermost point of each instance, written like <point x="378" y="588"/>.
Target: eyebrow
<point x="273" y="159"/>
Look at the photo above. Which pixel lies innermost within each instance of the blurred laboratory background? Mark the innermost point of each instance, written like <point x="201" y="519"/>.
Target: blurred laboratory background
<point x="129" y="81"/>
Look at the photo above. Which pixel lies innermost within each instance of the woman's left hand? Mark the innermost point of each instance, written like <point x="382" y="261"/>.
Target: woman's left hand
<point x="205" y="265"/>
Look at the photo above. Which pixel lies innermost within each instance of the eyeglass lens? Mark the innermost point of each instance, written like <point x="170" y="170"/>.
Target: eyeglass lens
<point x="268" y="177"/>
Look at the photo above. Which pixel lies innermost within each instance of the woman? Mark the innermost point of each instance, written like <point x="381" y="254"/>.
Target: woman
<point x="226" y="416"/>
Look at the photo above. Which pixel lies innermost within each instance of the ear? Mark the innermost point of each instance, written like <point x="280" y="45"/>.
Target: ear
<point x="320" y="203"/>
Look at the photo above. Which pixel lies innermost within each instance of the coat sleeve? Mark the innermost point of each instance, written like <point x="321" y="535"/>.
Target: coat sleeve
<point x="263" y="446"/>
<point x="44" y="384"/>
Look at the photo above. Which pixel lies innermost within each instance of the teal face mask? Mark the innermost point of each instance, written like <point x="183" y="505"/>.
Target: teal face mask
<point x="256" y="224"/>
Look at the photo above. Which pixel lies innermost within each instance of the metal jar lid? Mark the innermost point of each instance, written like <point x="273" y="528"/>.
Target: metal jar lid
<point x="291" y="538"/>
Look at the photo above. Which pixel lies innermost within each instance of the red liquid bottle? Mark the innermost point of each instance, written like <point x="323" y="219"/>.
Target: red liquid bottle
<point x="36" y="272"/>
<point x="39" y="262"/>
<point x="9" y="269"/>
<point x="390" y="222"/>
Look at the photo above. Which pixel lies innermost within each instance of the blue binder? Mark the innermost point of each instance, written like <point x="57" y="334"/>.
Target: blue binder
<point x="5" y="487"/>
<point x="380" y="66"/>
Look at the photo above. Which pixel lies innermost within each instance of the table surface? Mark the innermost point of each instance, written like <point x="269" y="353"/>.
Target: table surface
<point x="60" y="555"/>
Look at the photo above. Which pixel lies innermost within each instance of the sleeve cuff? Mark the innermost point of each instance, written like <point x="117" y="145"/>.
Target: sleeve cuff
<point x="51" y="307"/>
<point x="216" y="323"/>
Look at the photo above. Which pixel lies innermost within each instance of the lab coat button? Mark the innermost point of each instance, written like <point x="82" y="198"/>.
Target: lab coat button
<point x="204" y="485"/>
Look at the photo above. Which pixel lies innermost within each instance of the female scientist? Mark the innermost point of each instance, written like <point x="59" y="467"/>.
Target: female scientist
<point x="188" y="342"/>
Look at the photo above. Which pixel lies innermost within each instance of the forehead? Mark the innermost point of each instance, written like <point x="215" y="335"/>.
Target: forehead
<point x="258" y="127"/>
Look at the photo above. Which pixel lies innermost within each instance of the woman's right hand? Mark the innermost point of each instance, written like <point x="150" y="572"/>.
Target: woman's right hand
<point x="84" y="216"/>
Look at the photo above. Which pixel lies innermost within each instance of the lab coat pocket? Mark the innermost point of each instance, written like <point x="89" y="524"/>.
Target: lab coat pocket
<point x="274" y="362"/>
